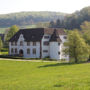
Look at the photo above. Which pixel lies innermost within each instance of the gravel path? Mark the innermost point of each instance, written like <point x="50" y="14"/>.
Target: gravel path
<point x="26" y="60"/>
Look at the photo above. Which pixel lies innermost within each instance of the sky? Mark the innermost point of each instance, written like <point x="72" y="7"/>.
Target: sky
<point x="66" y="6"/>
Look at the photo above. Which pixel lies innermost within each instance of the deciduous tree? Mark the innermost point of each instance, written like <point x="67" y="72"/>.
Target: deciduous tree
<point x="1" y="44"/>
<point x="11" y="32"/>
<point x="76" y="46"/>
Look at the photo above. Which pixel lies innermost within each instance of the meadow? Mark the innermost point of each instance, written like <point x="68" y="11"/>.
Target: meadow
<point x="27" y="75"/>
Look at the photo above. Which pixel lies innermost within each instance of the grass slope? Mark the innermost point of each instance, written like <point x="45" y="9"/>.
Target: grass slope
<point x="21" y="75"/>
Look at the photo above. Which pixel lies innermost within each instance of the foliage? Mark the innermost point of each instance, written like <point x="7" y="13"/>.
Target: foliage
<point x="58" y="20"/>
<point x="28" y="18"/>
<point x="1" y="44"/>
<point x="77" y="47"/>
<point x="11" y="32"/>
<point x="4" y="51"/>
<point x="74" y="20"/>
<point x="85" y="27"/>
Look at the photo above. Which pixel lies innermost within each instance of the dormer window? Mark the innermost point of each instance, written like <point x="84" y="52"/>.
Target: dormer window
<point x="21" y="43"/>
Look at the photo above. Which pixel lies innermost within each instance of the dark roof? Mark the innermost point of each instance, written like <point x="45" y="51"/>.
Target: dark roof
<point x="55" y="37"/>
<point x="29" y="35"/>
<point x="35" y="34"/>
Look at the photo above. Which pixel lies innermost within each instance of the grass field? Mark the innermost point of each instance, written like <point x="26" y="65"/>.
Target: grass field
<point x="26" y="75"/>
<point x="3" y="29"/>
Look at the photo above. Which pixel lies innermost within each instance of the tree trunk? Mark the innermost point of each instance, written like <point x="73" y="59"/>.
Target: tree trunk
<point x="89" y="58"/>
<point x="75" y="55"/>
<point x="76" y="60"/>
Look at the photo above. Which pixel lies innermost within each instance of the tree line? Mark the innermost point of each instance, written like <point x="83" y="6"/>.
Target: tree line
<point x="28" y="18"/>
<point x="72" y="21"/>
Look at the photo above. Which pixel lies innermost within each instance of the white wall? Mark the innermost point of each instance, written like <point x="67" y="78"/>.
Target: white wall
<point x="44" y="47"/>
<point x="62" y="47"/>
<point x="25" y="47"/>
<point x="54" y="49"/>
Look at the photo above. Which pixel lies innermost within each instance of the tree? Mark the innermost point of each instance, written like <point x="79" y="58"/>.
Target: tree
<point x="76" y="46"/>
<point x="52" y="24"/>
<point x="11" y="32"/>
<point x="85" y="27"/>
<point x="58" y="23"/>
<point x="1" y="44"/>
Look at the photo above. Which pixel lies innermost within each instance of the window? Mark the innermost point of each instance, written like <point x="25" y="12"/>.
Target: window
<point x="34" y="51"/>
<point x="65" y="37"/>
<point x="46" y="37"/>
<point x="12" y="50"/>
<point x="15" y="50"/>
<point x="21" y="43"/>
<point x="58" y="53"/>
<point x="46" y="43"/>
<point x="45" y="51"/>
<point x="28" y="43"/>
<point x="58" y="44"/>
<point x="34" y="43"/>
<point x="28" y="51"/>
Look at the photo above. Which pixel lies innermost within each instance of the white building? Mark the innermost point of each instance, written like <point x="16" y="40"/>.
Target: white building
<point x="39" y="43"/>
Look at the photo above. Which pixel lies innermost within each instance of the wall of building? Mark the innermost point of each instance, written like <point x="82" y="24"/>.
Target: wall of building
<point x="25" y="47"/>
<point x="62" y="47"/>
<point x="54" y="50"/>
<point x="45" y="47"/>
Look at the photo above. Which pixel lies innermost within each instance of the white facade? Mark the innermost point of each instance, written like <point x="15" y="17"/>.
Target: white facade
<point x="54" y="50"/>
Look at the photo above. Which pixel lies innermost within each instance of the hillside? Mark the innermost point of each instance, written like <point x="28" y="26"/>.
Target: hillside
<point x="28" y="18"/>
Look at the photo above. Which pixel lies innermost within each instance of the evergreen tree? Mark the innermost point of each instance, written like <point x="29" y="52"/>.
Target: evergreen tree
<point x="52" y="24"/>
<point x="58" y="23"/>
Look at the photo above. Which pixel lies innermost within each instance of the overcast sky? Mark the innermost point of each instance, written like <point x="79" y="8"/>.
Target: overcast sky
<point x="66" y="6"/>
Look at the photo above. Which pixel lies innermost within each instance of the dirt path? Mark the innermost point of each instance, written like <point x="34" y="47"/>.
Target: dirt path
<point x="26" y="60"/>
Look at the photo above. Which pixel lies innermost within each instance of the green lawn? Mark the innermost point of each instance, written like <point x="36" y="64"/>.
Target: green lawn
<point x="25" y="75"/>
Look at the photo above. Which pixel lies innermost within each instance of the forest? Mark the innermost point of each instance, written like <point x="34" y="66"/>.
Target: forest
<point x="72" y="21"/>
<point x="46" y="19"/>
<point x="29" y="18"/>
